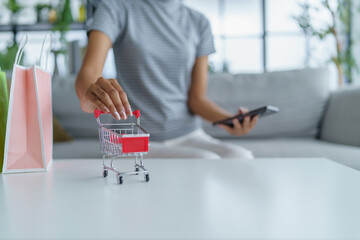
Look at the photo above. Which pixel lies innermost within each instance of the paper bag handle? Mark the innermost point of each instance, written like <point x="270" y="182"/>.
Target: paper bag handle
<point x="20" y="51"/>
<point x="48" y="51"/>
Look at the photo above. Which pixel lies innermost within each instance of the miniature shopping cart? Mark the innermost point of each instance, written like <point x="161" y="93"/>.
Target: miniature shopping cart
<point x="123" y="140"/>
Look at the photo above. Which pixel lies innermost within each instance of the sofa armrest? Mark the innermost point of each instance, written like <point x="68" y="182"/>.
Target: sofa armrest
<point x="341" y="122"/>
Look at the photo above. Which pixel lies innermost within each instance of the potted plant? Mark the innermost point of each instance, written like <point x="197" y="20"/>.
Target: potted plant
<point x="7" y="57"/>
<point x="62" y="25"/>
<point x="339" y="25"/>
<point x="15" y="8"/>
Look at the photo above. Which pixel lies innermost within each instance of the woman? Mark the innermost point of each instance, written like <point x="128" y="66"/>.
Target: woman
<point x="161" y="50"/>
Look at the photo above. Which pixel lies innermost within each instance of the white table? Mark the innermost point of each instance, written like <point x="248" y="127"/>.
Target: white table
<point x="185" y="199"/>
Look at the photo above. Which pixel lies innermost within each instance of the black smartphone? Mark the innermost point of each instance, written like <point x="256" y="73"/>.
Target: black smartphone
<point x="261" y="112"/>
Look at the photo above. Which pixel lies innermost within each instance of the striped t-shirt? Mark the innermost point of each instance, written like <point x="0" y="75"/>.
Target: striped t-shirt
<point x="155" y="45"/>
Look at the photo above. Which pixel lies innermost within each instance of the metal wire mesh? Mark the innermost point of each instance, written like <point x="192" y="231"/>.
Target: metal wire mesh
<point x="110" y="136"/>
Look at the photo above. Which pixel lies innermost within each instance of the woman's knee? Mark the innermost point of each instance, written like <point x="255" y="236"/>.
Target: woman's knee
<point x="158" y="150"/>
<point x="205" y="154"/>
<point x="234" y="151"/>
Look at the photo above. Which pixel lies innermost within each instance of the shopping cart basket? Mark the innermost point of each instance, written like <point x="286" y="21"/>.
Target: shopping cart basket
<point x="123" y="140"/>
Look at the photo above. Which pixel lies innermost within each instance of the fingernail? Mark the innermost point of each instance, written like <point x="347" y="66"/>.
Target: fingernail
<point x="123" y="114"/>
<point x="117" y="115"/>
<point x="129" y="111"/>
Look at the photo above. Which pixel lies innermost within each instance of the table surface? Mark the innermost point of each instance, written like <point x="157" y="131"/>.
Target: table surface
<point x="185" y="199"/>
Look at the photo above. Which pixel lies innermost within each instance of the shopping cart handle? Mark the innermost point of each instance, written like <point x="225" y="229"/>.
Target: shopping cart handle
<point x="136" y="113"/>
<point x="97" y="113"/>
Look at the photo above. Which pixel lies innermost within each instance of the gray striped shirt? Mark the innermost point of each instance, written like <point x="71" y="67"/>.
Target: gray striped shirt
<point x="155" y="44"/>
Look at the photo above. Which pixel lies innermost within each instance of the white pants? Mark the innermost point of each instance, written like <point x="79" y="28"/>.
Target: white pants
<point x="197" y="144"/>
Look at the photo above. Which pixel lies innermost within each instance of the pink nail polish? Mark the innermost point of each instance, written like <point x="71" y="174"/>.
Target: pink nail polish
<point x="123" y="114"/>
<point x="117" y="115"/>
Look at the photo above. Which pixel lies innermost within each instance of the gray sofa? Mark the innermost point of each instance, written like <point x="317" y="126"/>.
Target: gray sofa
<point x="313" y="121"/>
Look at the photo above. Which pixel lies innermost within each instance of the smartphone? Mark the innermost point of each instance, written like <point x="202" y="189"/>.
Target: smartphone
<point x="261" y="112"/>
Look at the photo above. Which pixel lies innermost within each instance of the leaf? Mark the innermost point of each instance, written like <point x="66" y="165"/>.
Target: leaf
<point x="7" y="57"/>
<point x="13" y="6"/>
<point x="65" y="17"/>
<point x="4" y="102"/>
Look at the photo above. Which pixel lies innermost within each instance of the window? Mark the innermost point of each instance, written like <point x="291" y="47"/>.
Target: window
<point x="258" y="35"/>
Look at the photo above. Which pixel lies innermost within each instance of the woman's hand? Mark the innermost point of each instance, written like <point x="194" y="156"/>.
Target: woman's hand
<point x="94" y="91"/>
<point x="200" y="105"/>
<point x="107" y="96"/>
<point x="244" y="128"/>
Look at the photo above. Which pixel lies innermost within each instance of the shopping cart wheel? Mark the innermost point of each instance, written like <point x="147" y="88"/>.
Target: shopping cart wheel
<point x="137" y="170"/>
<point x="105" y="173"/>
<point x="120" y="179"/>
<point x="147" y="177"/>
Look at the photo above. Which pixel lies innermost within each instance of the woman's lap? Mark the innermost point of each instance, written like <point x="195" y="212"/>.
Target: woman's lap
<point x="198" y="144"/>
<point x="160" y="150"/>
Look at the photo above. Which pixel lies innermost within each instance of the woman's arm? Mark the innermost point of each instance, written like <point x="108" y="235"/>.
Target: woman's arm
<point x="94" y="91"/>
<point x="199" y="103"/>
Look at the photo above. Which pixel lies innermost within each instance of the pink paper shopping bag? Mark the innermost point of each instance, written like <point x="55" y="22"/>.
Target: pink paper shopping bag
<point x="28" y="143"/>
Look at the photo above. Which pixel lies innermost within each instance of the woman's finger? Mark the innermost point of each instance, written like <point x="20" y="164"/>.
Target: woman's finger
<point x="254" y="120"/>
<point x="104" y="97"/>
<point x="243" y="110"/>
<point x="227" y="128"/>
<point x="123" y="96"/>
<point x="237" y="124"/>
<point x="115" y="97"/>
<point x="238" y="128"/>
<point x="246" y="125"/>
<point x="99" y="105"/>
<point x="92" y="102"/>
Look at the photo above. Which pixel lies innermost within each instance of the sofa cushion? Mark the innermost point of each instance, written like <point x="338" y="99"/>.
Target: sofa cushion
<point x="79" y="148"/>
<point x="301" y="147"/>
<point x="342" y="118"/>
<point x="301" y="96"/>
<point x="261" y="148"/>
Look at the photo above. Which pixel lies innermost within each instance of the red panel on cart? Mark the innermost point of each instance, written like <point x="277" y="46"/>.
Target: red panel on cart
<point x="135" y="144"/>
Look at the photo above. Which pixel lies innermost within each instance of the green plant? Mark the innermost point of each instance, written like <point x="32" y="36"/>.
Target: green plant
<point x="13" y="6"/>
<point x="4" y="102"/>
<point x="340" y="24"/>
<point x="65" y="18"/>
<point x="7" y="57"/>
<point x="62" y="23"/>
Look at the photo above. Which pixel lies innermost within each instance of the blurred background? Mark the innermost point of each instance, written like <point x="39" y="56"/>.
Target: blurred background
<point x="258" y="43"/>
<point x="251" y="36"/>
